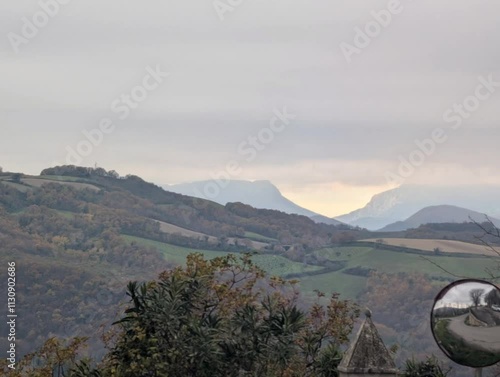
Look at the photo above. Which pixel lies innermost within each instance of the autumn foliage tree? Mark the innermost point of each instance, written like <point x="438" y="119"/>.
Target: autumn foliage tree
<point x="222" y="318"/>
<point x="55" y="358"/>
<point x="402" y="303"/>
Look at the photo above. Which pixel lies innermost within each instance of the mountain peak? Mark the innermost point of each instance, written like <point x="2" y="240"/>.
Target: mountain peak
<point x="400" y="203"/>
<point x="438" y="214"/>
<point x="264" y="182"/>
<point x="259" y="194"/>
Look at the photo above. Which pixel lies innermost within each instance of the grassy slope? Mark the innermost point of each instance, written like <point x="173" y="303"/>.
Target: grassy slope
<point x="259" y="237"/>
<point x="393" y="261"/>
<point x="171" y="228"/>
<point x="37" y="182"/>
<point x="66" y="214"/>
<point x="447" y="246"/>
<point x="60" y="178"/>
<point x="273" y="264"/>
<point x="172" y="253"/>
<point x="17" y="186"/>
<point x="388" y="262"/>
<point x="348" y="286"/>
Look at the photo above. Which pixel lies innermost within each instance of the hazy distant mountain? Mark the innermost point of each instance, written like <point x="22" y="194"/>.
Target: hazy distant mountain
<point x="258" y="194"/>
<point x="325" y="220"/>
<point x="400" y="203"/>
<point x="438" y="214"/>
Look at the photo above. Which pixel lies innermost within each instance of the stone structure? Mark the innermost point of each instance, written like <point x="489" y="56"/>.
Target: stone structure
<point x="485" y="316"/>
<point x="471" y="320"/>
<point x="367" y="354"/>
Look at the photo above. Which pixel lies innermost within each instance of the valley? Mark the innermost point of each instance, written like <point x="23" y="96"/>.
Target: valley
<point x="79" y="235"/>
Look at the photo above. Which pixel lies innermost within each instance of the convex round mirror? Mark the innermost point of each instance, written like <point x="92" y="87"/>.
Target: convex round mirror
<point x="465" y="322"/>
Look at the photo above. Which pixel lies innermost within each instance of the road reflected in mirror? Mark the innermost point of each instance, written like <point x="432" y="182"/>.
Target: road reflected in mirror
<point x="466" y="322"/>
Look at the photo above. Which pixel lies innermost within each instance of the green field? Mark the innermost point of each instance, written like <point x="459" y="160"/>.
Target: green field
<point x="172" y="253"/>
<point x="281" y="266"/>
<point x="272" y="264"/>
<point x="394" y="261"/>
<point x="61" y="178"/>
<point x="259" y="237"/>
<point x="38" y="182"/>
<point x="24" y="187"/>
<point x="349" y="286"/>
<point x="66" y="214"/>
<point x="17" y="186"/>
<point x="388" y="262"/>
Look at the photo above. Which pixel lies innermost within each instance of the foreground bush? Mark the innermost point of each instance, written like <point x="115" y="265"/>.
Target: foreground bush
<point x="222" y="318"/>
<point x="217" y="318"/>
<point x="428" y="368"/>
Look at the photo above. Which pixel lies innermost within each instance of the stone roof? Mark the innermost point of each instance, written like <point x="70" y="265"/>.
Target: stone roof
<point x="367" y="353"/>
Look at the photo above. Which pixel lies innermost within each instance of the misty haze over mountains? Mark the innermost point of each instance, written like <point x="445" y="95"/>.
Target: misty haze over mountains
<point x="221" y="188"/>
<point x="439" y="214"/>
<point x="402" y="202"/>
<point x="392" y="210"/>
<point x="258" y="194"/>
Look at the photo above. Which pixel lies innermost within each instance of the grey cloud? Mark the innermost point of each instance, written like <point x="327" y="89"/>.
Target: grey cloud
<point x="228" y="76"/>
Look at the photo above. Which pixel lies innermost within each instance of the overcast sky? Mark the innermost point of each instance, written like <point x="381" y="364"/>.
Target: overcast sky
<point x="230" y="71"/>
<point x="460" y="294"/>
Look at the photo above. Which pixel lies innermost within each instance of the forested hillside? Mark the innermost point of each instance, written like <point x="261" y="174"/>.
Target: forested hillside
<point x="69" y="235"/>
<point x="79" y="235"/>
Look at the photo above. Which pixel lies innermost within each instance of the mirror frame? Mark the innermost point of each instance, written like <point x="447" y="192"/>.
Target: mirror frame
<point x="440" y="296"/>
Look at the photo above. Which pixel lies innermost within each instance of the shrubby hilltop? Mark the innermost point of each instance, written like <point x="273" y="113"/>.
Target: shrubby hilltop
<point x="79" y="235"/>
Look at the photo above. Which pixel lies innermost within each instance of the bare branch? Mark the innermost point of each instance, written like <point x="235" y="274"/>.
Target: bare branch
<point x="492" y="277"/>
<point x="442" y="268"/>
<point x="492" y="231"/>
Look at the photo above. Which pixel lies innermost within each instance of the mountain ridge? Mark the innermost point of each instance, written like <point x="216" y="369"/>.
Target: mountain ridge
<point x="438" y="214"/>
<point x="258" y="194"/>
<point x="400" y="203"/>
<point x="83" y="233"/>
